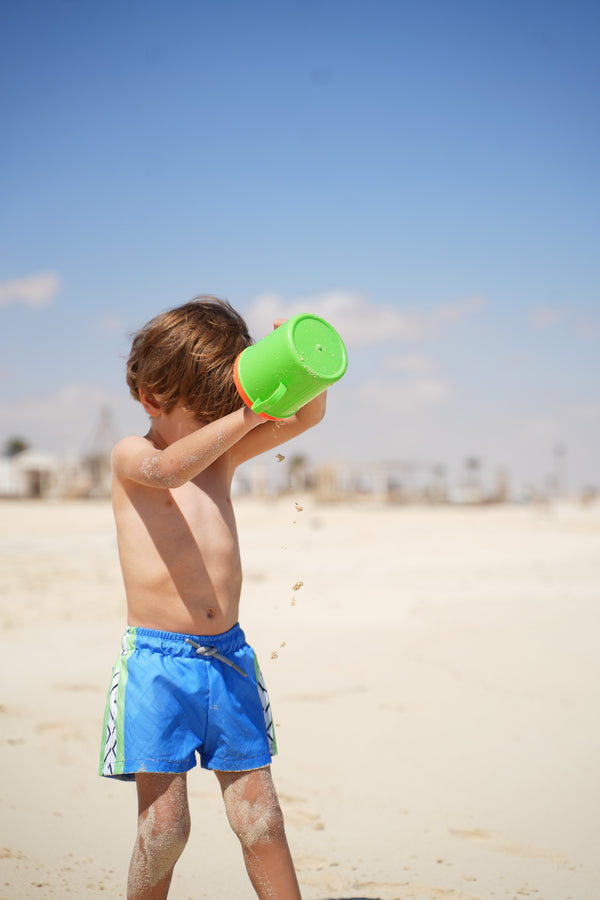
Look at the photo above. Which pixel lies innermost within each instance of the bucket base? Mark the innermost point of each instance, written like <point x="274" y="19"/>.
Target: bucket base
<point x="244" y="395"/>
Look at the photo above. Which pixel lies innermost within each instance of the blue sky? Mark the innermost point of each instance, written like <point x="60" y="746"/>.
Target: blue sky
<point x="425" y="175"/>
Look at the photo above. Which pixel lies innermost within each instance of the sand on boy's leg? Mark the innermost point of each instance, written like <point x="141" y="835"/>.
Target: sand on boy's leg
<point x="255" y="816"/>
<point x="163" y="830"/>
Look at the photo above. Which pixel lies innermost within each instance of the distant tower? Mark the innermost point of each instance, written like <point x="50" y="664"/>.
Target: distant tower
<point x="473" y="488"/>
<point x="438" y="491"/>
<point x="502" y="485"/>
<point x="97" y="461"/>
<point x="560" y="470"/>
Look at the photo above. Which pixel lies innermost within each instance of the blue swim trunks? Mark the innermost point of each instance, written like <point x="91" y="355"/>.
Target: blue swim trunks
<point x="174" y="695"/>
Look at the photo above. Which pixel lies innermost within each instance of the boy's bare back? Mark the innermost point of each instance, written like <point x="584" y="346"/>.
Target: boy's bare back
<point x="179" y="553"/>
<point x="176" y="529"/>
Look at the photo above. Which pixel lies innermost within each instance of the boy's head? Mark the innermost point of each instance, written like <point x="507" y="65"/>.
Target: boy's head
<point x="185" y="356"/>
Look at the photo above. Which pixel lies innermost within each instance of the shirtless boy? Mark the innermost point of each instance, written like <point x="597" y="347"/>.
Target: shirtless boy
<point x="186" y="681"/>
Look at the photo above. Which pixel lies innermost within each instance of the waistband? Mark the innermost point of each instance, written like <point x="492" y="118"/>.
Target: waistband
<point x="175" y="643"/>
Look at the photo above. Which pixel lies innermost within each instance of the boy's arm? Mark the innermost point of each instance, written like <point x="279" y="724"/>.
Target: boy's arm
<point x="136" y="459"/>
<point x="272" y="433"/>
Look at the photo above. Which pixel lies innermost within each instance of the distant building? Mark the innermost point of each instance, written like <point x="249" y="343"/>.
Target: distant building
<point x="31" y="473"/>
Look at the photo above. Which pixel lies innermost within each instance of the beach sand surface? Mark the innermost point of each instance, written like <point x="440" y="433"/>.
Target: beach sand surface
<point x="435" y="679"/>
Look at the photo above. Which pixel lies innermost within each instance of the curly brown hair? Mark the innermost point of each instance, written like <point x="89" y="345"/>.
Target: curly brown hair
<point x="186" y="355"/>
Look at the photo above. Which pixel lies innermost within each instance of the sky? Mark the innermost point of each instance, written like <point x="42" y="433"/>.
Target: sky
<point x="425" y="175"/>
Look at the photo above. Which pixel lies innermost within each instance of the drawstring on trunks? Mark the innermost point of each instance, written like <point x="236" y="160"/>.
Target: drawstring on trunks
<point x="213" y="652"/>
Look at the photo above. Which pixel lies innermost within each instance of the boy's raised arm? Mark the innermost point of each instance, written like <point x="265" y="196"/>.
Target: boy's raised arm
<point x="272" y="434"/>
<point x="136" y="459"/>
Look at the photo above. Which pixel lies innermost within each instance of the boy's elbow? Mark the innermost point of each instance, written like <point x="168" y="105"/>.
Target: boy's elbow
<point x="314" y="412"/>
<point x="154" y="468"/>
<point x="159" y="473"/>
<point x="321" y="409"/>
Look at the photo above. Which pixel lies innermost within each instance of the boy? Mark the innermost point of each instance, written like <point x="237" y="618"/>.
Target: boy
<point x="186" y="680"/>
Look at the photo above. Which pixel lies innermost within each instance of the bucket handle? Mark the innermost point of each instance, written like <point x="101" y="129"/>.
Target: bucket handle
<point x="259" y="405"/>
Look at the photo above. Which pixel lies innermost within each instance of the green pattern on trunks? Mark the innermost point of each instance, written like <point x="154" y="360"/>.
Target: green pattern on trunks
<point x="114" y="712"/>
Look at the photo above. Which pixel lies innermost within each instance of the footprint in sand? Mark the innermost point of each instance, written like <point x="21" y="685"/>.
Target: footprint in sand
<point x="501" y="843"/>
<point x="318" y="872"/>
<point x="66" y="731"/>
<point x="299" y="815"/>
<point x="321" y="873"/>
<point x="79" y="688"/>
<point x="414" y="891"/>
<point x="7" y="853"/>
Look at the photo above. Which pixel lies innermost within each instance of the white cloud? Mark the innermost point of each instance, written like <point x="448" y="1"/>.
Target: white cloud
<point x="32" y="290"/>
<point x="547" y="316"/>
<point x="359" y="321"/>
<point x="110" y="324"/>
<point x="404" y="398"/>
<point x="587" y="327"/>
<point x="582" y="325"/>
<point x="409" y="364"/>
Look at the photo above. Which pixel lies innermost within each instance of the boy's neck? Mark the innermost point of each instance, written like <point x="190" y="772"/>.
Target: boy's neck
<point x="166" y="428"/>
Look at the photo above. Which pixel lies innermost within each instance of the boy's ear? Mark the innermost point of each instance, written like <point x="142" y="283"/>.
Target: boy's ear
<point x="149" y="403"/>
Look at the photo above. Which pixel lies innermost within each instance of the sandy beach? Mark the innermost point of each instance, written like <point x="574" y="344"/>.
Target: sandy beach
<point x="435" y="679"/>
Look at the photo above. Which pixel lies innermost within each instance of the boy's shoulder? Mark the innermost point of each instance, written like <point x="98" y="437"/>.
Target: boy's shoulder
<point x="131" y="444"/>
<point x="128" y="449"/>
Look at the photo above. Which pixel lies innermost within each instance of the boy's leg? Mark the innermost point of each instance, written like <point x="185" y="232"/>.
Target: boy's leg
<point x="255" y="815"/>
<point x="163" y="830"/>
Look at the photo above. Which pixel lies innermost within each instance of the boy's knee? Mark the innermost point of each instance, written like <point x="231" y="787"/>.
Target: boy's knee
<point x="257" y="823"/>
<point x="256" y="820"/>
<point x="163" y="834"/>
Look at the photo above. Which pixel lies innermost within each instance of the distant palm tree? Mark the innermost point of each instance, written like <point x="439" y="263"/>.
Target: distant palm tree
<point x="473" y="467"/>
<point x="15" y="445"/>
<point x="438" y="486"/>
<point x="297" y="472"/>
<point x="473" y="477"/>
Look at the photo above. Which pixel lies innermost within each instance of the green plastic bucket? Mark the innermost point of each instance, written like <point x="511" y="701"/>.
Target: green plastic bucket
<point x="290" y="366"/>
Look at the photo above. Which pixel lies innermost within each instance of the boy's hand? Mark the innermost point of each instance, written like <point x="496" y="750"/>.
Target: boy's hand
<point x="278" y="322"/>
